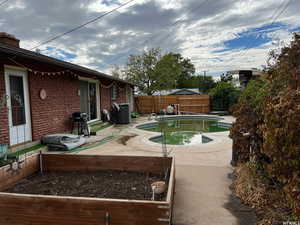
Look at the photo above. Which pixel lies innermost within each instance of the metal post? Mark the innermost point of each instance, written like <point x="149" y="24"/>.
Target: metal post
<point x="41" y="162"/>
<point x="107" y="218"/>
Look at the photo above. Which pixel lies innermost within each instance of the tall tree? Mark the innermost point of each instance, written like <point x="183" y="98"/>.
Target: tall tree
<point x="141" y="70"/>
<point x="117" y="72"/>
<point x="192" y="82"/>
<point x="203" y="83"/>
<point x="187" y="69"/>
<point x="152" y="71"/>
<point x="206" y="83"/>
<point x="167" y="71"/>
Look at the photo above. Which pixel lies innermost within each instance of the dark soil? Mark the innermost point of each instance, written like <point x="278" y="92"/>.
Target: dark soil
<point x="101" y="184"/>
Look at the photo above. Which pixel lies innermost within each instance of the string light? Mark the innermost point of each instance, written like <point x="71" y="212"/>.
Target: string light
<point x="110" y="85"/>
<point x="43" y="73"/>
<point x="51" y="74"/>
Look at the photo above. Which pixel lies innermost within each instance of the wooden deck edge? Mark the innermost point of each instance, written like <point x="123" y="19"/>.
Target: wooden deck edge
<point x="171" y="181"/>
<point x="12" y="173"/>
<point x="17" y="195"/>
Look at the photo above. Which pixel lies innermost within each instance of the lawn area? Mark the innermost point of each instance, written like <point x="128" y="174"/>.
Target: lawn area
<point x="19" y="153"/>
<point x="26" y="150"/>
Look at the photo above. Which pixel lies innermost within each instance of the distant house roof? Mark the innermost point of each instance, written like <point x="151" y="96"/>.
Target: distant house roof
<point x="183" y="91"/>
<point x="23" y="53"/>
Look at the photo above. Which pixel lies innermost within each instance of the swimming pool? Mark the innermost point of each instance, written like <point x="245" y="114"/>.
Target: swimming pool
<point x="181" y="138"/>
<point x="184" y="130"/>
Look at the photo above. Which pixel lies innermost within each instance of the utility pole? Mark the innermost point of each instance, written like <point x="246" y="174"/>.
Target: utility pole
<point x="203" y="80"/>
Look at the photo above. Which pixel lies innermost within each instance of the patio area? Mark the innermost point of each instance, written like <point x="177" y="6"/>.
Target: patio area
<point x="203" y="173"/>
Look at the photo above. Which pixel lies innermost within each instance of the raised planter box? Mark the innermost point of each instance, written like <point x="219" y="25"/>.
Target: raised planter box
<point x="24" y="209"/>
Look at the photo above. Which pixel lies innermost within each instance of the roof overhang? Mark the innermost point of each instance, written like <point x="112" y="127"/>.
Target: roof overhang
<point x="23" y="53"/>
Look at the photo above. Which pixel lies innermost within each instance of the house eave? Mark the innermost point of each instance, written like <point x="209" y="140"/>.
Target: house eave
<point x="23" y="53"/>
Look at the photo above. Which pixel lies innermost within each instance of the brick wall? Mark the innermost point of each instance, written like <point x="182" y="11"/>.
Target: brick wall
<point x="121" y="97"/>
<point x="52" y="115"/>
<point x="106" y="96"/>
<point x="4" y="132"/>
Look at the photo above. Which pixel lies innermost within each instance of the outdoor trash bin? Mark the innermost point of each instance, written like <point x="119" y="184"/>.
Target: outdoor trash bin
<point x="124" y="114"/>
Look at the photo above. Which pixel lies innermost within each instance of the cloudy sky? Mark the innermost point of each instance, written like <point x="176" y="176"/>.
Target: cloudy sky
<point x="217" y="35"/>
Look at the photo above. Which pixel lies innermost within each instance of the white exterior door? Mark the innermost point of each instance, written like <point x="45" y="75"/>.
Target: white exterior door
<point x="16" y="83"/>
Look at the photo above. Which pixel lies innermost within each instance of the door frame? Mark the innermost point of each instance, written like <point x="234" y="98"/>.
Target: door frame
<point x="130" y="97"/>
<point x="18" y="71"/>
<point x="90" y="80"/>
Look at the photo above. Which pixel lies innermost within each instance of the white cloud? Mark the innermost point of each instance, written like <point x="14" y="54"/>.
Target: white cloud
<point x="200" y="31"/>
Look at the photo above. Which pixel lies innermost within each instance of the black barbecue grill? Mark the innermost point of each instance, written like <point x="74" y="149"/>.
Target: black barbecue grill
<point x="79" y="120"/>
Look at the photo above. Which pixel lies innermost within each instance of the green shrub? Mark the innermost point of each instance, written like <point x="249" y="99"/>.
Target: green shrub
<point x="223" y="96"/>
<point x="248" y="119"/>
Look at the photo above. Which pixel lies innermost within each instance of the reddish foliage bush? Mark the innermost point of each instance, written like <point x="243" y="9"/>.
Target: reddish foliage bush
<point x="270" y="113"/>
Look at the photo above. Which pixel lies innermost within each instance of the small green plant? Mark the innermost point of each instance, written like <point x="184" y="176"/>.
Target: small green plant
<point x="135" y="115"/>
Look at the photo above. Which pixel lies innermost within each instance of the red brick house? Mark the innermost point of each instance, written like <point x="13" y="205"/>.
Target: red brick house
<point x="42" y="93"/>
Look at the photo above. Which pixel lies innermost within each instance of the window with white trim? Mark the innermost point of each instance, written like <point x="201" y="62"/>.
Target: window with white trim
<point x="114" y="92"/>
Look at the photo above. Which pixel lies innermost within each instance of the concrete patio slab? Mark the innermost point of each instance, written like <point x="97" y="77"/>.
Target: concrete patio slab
<point x="203" y="195"/>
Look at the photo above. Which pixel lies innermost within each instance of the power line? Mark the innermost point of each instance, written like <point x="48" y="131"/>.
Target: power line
<point x="275" y="17"/>
<point x="276" y="14"/>
<point x="167" y="35"/>
<point x="277" y="10"/>
<point x="2" y="3"/>
<point x="281" y="12"/>
<point x="179" y="21"/>
<point x="272" y="23"/>
<point x="80" y="26"/>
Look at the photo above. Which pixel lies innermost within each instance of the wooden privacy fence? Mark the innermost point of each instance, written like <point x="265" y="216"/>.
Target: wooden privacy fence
<point x="187" y="103"/>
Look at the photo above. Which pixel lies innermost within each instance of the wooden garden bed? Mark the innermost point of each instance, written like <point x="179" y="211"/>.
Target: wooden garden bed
<point x="28" y="209"/>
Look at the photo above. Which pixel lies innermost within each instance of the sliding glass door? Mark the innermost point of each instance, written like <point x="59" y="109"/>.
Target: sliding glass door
<point x="93" y="101"/>
<point x="89" y="100"/>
